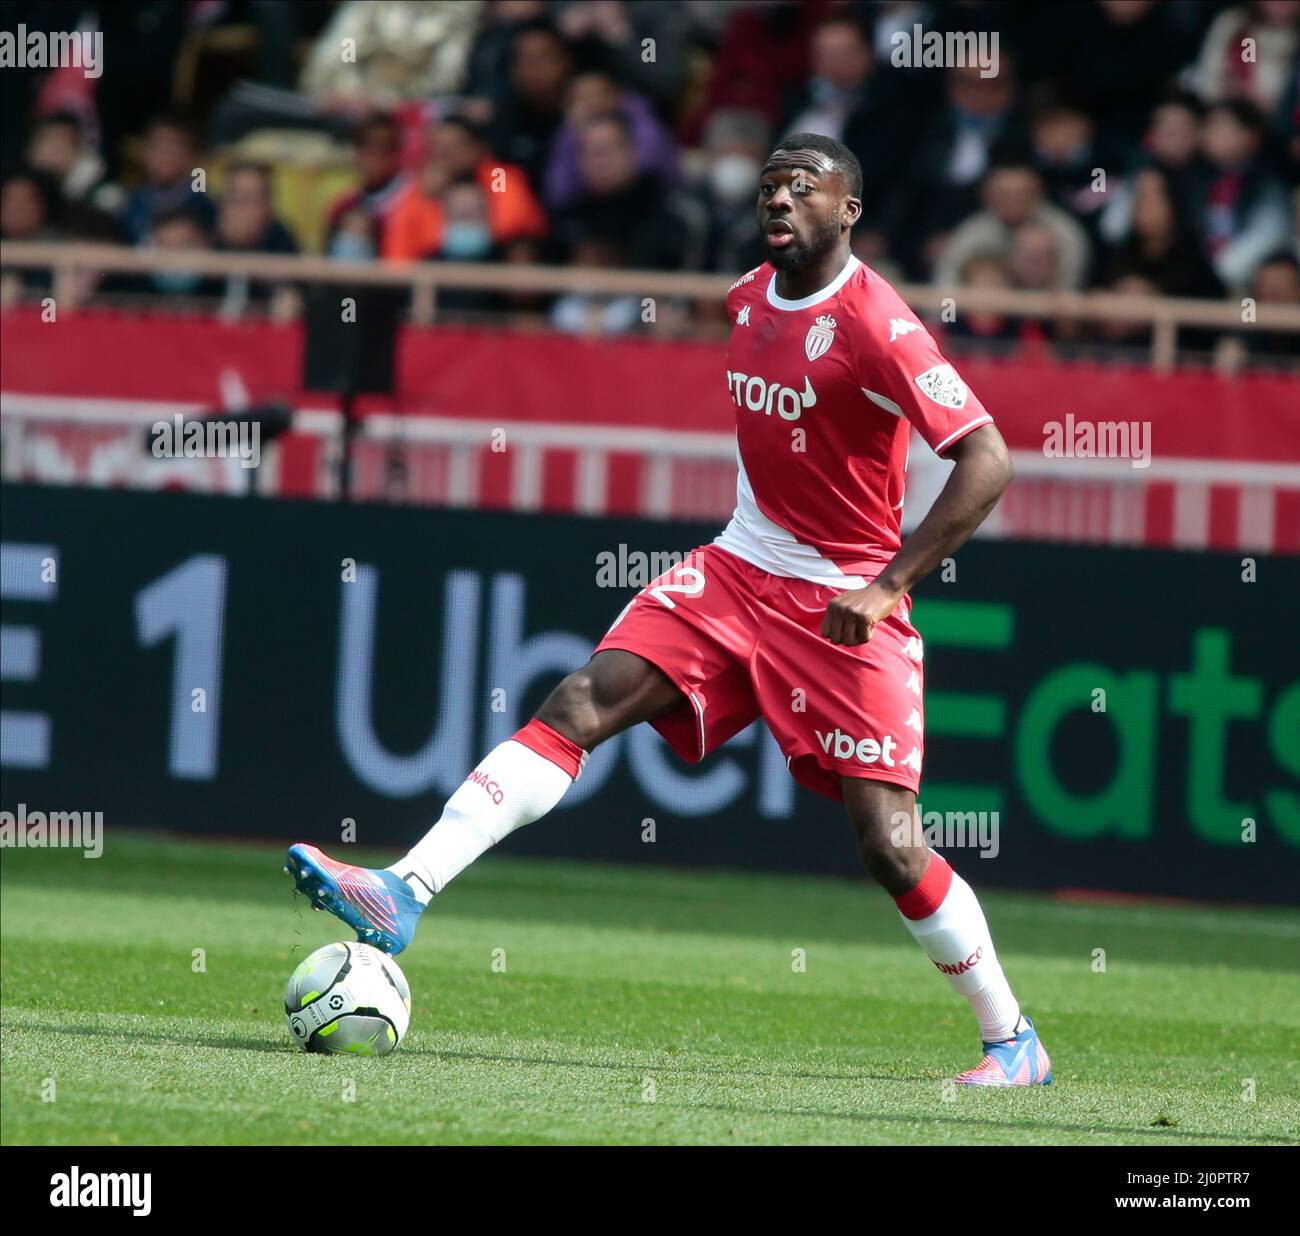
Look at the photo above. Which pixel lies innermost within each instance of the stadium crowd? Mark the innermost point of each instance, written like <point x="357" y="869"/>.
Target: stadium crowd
<point x="1139" y="146"/>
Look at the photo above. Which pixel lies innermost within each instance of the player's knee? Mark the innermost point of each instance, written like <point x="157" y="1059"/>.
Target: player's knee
<point x="571" y="709"/>
<point x="889" y="848"/>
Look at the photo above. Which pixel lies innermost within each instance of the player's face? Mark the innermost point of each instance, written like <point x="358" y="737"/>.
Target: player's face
<point x="803" y="208"/>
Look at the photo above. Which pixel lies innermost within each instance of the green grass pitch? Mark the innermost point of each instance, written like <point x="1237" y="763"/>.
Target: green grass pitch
<point x="636" y="1005"/>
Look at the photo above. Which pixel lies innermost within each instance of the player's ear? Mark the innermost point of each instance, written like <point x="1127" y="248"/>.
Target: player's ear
<point x="852" y="210"/>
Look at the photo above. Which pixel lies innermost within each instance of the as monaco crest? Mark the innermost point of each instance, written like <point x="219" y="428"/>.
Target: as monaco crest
<point x="821" y="334"/>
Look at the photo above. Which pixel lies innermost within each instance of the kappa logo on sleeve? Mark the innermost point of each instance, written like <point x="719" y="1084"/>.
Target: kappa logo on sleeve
<point x="943" y="386"/>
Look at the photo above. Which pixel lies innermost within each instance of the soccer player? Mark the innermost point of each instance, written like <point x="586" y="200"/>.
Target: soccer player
<point x="803" y="597"/>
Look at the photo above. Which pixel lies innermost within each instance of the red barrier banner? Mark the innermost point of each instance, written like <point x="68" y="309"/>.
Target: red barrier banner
<point x="635" y="425"/>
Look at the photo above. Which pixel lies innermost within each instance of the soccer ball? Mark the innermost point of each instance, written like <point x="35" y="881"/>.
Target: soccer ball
<point x="348" y="998"/>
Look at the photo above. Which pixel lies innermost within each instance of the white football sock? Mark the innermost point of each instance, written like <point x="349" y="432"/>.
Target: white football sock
<point x="956" y="938"/>
<point x="512" y="786"/>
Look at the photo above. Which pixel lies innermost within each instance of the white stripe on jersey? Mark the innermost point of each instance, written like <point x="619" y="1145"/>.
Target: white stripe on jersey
<point x="765" y="544"/>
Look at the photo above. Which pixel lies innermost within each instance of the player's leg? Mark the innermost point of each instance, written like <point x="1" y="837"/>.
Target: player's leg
<point x="524" y="778"/>
<point x="517" y="782"/>
<point x="943" y="914"/>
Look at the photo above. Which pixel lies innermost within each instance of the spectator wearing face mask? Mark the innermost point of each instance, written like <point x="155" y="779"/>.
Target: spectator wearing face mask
<point x="594" y="94"/>
<point x="724" y="182"/>
<point x="180" y="229"/>
<point x="466" y="237"/>
<point x="355" y="237"/>
<point x="459" y="153"/>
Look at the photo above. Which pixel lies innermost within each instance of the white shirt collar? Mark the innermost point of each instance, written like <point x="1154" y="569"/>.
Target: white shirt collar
<point x="780" y="302"/>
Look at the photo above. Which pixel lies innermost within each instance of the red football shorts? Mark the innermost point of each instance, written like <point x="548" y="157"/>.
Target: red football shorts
<point x="740" y="643"/>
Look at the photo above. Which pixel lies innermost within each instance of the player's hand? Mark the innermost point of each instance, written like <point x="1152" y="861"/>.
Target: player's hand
<point x="852" y="616"/>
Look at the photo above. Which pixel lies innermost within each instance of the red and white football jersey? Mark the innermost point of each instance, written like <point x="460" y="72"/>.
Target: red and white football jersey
<point x="826" y="390"/>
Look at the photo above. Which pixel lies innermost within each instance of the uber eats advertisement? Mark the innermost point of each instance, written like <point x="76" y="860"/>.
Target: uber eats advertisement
<point x="1119" y="720"/>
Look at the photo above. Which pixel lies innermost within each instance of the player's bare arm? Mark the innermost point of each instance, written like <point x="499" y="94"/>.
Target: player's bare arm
<point x="983" y="470"/>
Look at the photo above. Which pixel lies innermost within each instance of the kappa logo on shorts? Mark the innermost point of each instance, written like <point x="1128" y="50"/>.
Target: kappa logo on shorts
<point x="843" y="746"/>
<point x="943" y="386"/>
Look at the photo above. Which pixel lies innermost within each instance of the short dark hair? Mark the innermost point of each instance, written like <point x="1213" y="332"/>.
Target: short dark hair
<point x="46" y="186"/>
<point x="1280" y="257"/>
<point x="1245" y="113"/>
<point x="241" y="166"/>
<point x="184" y="213"/>
<point x="1177" y="97"/>
<point x="465" y="125"/>
<point x="539" y="25"/>
<point x="176" y="122"/>
<point x="617" y="119"/>
<point x="61" y="120"/>
<point x="376" y="122"/>
<point x="841" y="158"/>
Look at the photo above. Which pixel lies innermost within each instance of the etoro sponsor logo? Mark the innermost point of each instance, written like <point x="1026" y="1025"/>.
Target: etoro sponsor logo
<point x="495" y="792"/>
<point x="758" y="395"/>
<point x="961" y="967"/>
<point x="866" y="751"/>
